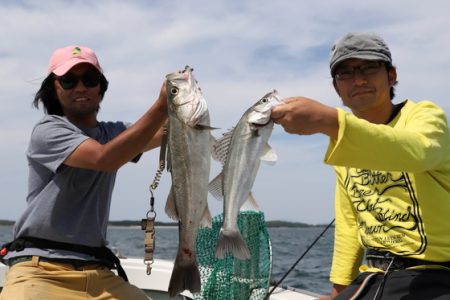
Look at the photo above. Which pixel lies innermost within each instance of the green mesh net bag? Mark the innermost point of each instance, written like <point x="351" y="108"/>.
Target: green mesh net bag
<point x="230" y="278"/>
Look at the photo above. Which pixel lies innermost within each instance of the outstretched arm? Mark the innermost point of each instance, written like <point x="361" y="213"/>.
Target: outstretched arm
<point x="145" y="134"/>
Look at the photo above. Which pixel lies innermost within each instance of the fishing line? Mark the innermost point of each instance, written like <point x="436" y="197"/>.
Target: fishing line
<point x="299" y="259"/>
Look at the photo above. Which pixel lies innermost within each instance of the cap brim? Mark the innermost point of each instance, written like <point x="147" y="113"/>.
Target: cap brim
<point x="365" y="56"/>
<point x="64" y="68"/>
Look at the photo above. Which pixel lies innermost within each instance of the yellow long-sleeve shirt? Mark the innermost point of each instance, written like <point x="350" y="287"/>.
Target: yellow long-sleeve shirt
<point x="392" y="187"/>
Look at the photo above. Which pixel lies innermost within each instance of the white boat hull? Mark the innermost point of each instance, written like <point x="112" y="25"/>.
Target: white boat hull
<point x="156" y="284"/>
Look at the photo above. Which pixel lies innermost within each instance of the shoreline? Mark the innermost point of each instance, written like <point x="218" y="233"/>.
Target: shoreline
<point x="133" y="223"/>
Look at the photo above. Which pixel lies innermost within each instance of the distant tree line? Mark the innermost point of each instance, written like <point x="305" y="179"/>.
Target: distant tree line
<point x="6" y="223"/>
<point x="268" y="224"/>
<point x="127" y="223"/>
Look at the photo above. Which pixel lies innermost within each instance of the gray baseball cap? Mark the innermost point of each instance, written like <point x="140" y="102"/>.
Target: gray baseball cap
<point x="362" y="45"/>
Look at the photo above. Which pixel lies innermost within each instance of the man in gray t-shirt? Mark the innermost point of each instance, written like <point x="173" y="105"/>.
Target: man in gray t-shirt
<point x="73" y="159"/>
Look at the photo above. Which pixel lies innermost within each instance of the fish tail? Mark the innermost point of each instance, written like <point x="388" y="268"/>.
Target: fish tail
<point x="184" y="277"/>
<point x="231" y="241"/>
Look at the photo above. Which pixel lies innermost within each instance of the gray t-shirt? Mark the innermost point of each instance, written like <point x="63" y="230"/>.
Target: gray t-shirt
<point x="65" y="204"/>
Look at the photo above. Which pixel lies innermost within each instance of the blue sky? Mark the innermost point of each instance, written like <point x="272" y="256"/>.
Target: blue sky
<point x="240" y="50"/>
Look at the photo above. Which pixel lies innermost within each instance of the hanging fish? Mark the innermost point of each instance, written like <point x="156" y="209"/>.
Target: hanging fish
<point x="189" y="159"/>
<point x="240" y="152"/>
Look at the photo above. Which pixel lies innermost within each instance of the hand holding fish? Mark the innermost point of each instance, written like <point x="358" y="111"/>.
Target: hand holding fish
<point x="161" y="102"/>
<point x="306" y="116"/>
<point x="159" y="109"/>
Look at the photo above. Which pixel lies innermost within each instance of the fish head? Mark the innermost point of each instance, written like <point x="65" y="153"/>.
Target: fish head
<point x="185" y="98"/>
<point x="259" y="113"/>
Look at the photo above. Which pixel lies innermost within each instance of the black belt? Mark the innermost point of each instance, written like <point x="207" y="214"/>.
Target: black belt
<point x="386" y="260"/>
<point x="75" y="263"/>
<point x="101" y="253"/>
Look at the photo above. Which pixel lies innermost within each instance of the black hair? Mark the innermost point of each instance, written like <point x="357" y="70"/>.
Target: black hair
<point x="47" y="95"/>
<point x="390" y="66"/>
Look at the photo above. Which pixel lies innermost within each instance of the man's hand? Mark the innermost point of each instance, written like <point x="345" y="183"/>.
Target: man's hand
<point x="306" y="116"/>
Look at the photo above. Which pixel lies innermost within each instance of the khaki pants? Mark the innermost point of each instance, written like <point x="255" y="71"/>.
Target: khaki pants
<point x="37" y="280"/>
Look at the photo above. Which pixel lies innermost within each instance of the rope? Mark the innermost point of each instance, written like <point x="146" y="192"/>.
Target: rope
<point x="299" y="259"/>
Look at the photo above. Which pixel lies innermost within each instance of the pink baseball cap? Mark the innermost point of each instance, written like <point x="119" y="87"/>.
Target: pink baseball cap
<point x="63" y="59"/>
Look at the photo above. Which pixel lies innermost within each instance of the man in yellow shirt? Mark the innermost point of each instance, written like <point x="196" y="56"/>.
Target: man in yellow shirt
<point x="392" y="164"/>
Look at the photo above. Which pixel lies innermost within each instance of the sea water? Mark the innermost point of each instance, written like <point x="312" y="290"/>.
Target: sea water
<point x="288" y="244"/>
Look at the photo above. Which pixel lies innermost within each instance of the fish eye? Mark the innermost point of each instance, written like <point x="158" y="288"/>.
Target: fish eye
<point x="264" y="100"/>
<point x="174" y="90"/>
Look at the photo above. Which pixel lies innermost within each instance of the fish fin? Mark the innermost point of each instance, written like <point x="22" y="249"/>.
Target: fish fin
<point x="206" y="220"/>
<point x="184" y="277"/>
<point x="268" y="155"/>
<point x="231" y="241"/>
<point x="204" y="127"/>
<point x="216" y="187"/>
<point x="221" y="147"/>
<point x="171" y="209"/>
<point x="250" y="204"/>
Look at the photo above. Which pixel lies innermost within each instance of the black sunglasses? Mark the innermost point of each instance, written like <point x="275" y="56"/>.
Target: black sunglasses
<point x="89" y="80"/>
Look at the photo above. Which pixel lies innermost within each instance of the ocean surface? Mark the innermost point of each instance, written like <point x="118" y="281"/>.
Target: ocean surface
<point x="288" y="244"/>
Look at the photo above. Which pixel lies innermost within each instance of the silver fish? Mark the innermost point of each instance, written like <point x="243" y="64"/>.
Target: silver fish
<point x="240" y="151"/>
<point x="189" y="159"/>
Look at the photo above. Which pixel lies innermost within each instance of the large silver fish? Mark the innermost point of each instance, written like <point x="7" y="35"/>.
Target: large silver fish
<point x="240" y="151"/>
<point x="189" y="159"/>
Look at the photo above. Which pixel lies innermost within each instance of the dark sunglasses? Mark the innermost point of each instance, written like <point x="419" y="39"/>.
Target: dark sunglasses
<point x="89" y="80"/>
